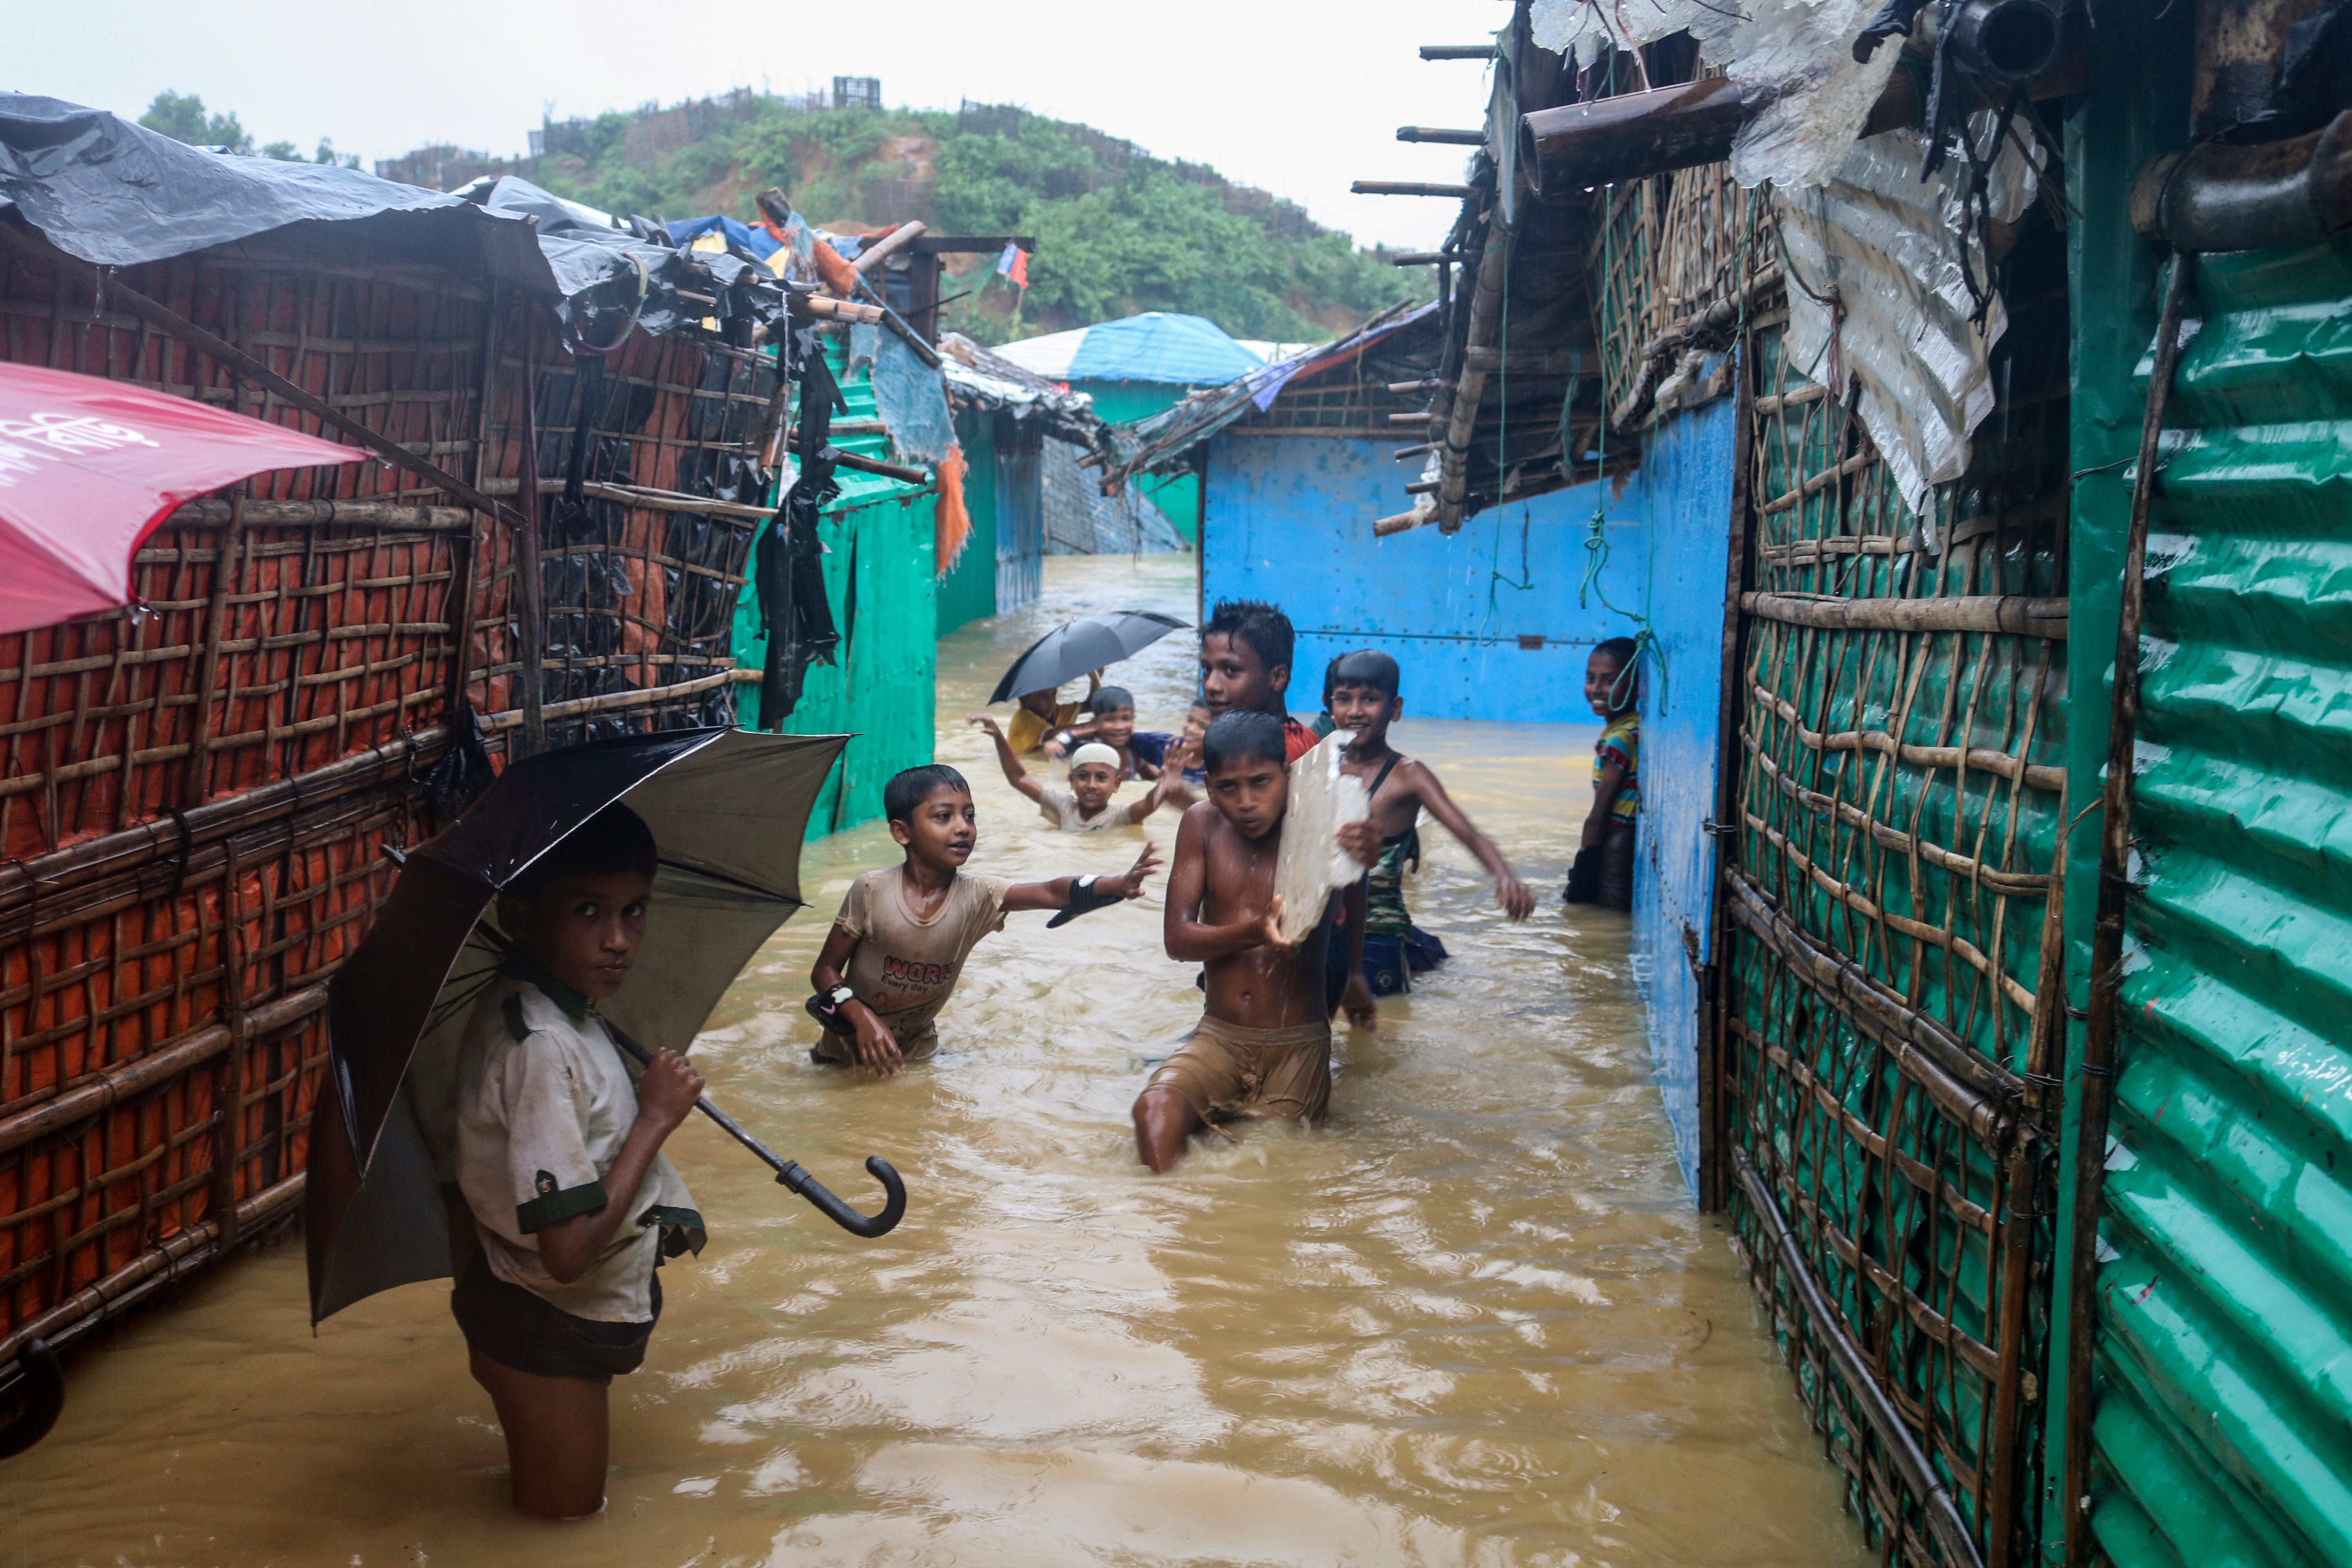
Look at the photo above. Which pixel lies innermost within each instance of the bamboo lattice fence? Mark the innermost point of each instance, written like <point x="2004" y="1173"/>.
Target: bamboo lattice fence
<point x="1898" y="683"/>
<point x="195" y="797"/>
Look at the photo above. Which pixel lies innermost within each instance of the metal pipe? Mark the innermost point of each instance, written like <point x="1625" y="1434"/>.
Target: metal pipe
<point x="2009" y="41"/>
<point x="1458" y="51"/>
<point x="2104" y="1024"/>
<point x="1446" y="135"/>
<point x="2211" y="197"/>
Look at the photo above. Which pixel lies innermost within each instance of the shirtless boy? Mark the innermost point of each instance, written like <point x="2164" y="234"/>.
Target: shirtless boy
<point x="1245" y="651"/>
<point x="896" y="949"/>
<point x="1263" y="1049"/>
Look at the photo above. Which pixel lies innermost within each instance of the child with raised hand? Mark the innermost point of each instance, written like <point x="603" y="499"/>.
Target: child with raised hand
<point x="1263" y="1049"/>
<point x="1361" y="692"/>
<point x="1141" y="753"/>
<point x="898" y="947"/>
<point x="1603" y="872"/>
<point x="559" y="1165"/>
<point x="1085" y="806"/>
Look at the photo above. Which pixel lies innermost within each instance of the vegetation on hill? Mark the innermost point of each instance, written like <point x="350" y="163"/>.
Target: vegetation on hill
<point x="1117" y="231"/>
<point x="182" y="116"/>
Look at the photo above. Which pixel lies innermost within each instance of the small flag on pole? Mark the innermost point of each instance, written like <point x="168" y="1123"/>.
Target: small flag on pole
<point x="1014" y="266"/>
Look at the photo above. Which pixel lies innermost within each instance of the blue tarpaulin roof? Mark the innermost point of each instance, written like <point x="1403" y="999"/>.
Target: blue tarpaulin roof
<point x="1160" y="345"/>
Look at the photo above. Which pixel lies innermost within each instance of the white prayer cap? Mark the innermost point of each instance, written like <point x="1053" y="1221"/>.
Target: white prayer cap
<point x="1095" y="752"/>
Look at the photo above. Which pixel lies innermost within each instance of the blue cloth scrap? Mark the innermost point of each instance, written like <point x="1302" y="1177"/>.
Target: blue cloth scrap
<point x="912" y="399"/>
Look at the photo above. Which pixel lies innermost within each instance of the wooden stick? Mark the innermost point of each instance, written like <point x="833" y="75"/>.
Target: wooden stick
<point x="611" y="701"/>
<point x="1415" y="388"/>
<point x="841" y="459"/>
<point x="1412" y="188"/>
<point x="651" y="500"/>
<point x="1461" y="413"/>
<point x="2104" y="1024"/>
<point x="1424" y="259"/>
<point x="1444" y="135"/>
<point x="1458" y="51"/>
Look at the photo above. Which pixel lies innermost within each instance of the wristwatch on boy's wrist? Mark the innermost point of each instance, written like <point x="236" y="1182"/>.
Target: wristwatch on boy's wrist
<point x="825" y="1007"/>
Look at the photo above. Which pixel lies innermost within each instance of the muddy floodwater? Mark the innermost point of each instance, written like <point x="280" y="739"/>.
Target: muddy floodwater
<point x="1471" y="1320"/>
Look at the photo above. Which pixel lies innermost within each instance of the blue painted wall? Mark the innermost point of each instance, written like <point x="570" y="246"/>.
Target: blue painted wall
<point x="1289" y="520"/>
<point x="1686" y="472"/>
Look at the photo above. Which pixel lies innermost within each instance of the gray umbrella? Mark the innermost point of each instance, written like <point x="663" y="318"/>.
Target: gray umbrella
<point x="1090" y="642"/>
<point x="727" y="809"/>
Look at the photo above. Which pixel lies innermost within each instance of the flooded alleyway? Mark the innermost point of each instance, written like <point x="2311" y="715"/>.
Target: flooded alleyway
<point x="1471" y="1319"/>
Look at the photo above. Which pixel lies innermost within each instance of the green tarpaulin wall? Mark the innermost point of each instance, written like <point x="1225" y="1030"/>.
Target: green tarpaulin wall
<point x="1124" y="402"/>
<point x="878" y="577"/>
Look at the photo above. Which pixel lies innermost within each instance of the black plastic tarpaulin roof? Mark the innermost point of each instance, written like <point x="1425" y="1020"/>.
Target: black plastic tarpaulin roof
<point x="115" y="193"/>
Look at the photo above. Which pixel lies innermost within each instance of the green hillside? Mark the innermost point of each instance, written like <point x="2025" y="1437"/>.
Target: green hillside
<point x="1119" y="231"/>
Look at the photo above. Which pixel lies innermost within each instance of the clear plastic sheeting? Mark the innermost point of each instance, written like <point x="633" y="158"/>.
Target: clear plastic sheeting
<point x="1800" y="57"/>
<point x="1796" y="57"/>
<point x="1310" y="865"/>
<point x="1874" y="260"/>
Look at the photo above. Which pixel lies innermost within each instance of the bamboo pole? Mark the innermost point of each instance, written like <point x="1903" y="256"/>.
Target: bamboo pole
<point x="1944" y="1522"/>
<point x="2011" y="614"/>
<point x="1447" y="136"/>
<point x="530" y="621"/>
<point x="2103" y="1023"/>
<point x="874" y="255"/>
<point x="1462" y="415"/>
<point x="213" y="511"/>
<point x="1412" y="188"/>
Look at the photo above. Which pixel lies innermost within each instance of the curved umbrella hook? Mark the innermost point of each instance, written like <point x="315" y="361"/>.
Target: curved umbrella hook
<point x="789" y="1172"/>
<point x="894" y="1196"/>
<point x="40" y="1397"/>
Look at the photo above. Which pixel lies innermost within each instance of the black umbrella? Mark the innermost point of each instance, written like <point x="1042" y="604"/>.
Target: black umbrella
<point x="727" y="809"/>
<point x="1090" y="642"/>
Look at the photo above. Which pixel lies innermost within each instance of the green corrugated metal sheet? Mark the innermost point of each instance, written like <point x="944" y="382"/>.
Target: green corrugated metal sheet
<point x="878" y="576"/>
<point x="2225" y="1293"/>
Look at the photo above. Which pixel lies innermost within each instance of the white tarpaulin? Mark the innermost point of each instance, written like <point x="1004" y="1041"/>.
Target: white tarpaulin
<point x="1875" y="255"/>
<point x="1797" y="53"/>
<point x="1310" y="863"/>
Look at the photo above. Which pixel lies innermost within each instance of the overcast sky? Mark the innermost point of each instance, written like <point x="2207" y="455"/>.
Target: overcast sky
<point x="1297" y="96"/>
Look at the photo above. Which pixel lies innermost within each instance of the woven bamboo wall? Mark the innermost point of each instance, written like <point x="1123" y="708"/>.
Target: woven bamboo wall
<point x="1896" y="693"/>
<point x="193" y="799"/>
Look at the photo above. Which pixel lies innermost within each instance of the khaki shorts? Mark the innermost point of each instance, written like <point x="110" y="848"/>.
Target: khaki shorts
<point x="1227" y="1072"/>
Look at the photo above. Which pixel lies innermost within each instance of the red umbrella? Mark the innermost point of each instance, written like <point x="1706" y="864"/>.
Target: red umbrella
<point x="88" y="467"/>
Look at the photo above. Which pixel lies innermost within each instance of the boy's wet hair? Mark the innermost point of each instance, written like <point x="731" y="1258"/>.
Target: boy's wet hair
<point x="1244" y="734"/>
<point x="909" y="787"/>
<point x="1112" y="697"/>
<point x="1263" y="628"/>
<point x="1621" y="649"/>
<point x="1365" y="667"/>
<point x="613" y="842"/>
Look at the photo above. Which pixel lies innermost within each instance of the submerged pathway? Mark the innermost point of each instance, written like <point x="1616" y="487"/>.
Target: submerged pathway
<point x="1473" y="1320"/>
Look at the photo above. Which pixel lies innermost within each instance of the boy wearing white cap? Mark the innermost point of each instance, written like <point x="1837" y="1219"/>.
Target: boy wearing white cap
<point x="1085" y="806"/>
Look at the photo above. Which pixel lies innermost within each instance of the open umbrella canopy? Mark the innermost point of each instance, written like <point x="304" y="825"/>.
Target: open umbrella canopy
<point x="1090" y="642"/>
<point x="727" y="809"/>
<point x="89" y="467"/>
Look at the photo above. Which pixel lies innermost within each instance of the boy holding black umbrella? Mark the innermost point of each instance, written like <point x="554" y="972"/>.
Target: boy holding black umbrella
<point x="558" y="1160"/>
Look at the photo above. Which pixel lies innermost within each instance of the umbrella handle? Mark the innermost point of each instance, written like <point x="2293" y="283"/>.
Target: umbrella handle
<point x="893" y="1195"/>
<point x="789" y="1172"/>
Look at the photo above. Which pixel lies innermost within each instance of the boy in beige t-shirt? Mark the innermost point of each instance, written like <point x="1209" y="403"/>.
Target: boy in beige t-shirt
<point x="1085" y="806"/>
<point x="897" y="946"/>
